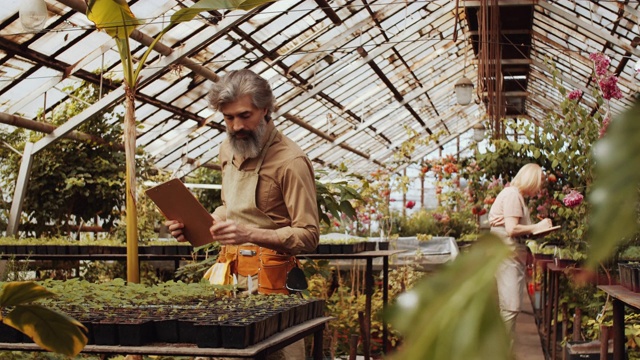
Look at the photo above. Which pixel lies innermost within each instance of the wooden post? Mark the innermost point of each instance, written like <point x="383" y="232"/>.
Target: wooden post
<point x="604" y="341"/>
<point x="422" y="189"/>
<point x="364" y="332"/>
<point x="565" y="328"/>
<point x="353" y="347"/>
<point x="577" y="325"/>
<point x="404" y="196"/>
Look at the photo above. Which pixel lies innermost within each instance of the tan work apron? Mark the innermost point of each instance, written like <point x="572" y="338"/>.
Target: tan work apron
<point x="524" y="220"/>
<point x="266" y="268"/>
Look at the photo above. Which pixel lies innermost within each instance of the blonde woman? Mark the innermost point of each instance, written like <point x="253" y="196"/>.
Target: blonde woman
<point x="509" y="219"/>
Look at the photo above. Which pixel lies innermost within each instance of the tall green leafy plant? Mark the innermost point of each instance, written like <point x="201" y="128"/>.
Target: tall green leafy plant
<point x="117" y="20"/>
<point x="334" y="199"/>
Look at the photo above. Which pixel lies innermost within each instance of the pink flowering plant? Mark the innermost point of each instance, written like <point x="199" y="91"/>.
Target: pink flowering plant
<point x="562" y="144"/>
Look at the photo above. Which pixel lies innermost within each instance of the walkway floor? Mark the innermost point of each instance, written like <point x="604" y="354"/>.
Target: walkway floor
<point x="527" y="343"/>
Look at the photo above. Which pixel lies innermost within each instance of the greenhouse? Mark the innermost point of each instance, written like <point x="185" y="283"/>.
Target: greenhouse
<point x="326" y="179"/>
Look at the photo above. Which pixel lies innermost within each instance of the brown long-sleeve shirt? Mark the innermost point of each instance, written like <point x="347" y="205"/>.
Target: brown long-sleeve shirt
<point x="286" y="191"/>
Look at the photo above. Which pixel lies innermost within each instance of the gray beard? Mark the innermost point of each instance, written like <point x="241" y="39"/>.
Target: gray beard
<point x="249" y="147"/>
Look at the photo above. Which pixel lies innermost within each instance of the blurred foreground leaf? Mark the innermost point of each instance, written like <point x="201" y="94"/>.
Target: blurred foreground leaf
<point x="20" y="292"/>
<point x="453" y="314"/>
<point x="51" y="330"/>
<point x="614" y="197"/>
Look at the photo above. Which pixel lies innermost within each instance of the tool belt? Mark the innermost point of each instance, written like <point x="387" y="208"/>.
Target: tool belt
<point x="270" y="266"/>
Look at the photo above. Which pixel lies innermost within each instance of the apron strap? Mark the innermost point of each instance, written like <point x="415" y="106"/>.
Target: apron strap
<point x="263" y="153"/>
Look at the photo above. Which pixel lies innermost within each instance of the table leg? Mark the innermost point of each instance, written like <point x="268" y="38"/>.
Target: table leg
<point x="385" y="299"/>
<point x="367" y="310"/>
<point x="618" y="330"/>
<point x="547" y="309"/>
<point x="555" y="297"/>
<point x="317" y="344"/>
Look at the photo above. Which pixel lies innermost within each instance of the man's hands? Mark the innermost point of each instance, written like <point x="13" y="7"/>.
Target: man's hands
<point x="230" y="233"/>
<point x="175" y="227"/>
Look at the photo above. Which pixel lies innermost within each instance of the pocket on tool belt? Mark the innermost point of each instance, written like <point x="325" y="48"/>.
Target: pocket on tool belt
<point x="248" y="260"/>
<point x="273" y="271"/>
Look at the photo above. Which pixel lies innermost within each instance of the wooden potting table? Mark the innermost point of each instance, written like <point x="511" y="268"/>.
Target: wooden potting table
<point x="103" y="257"/>
<point x="551" y="301"/>
<point x="258" y="351"/>
<point x="621" y="297"/>
<point x="368" y="256"/>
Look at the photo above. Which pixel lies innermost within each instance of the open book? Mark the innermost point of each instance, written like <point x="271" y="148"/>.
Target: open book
<point x="176" y="202"/>
<point x="546" y="231"/>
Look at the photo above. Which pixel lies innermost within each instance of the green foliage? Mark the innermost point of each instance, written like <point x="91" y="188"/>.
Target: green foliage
<point x="209" y="198"/>
<point x="149" y="217"/>
<point x="615" y="195"/>
<point x="345" y="298"/>
<point x="562" y="144"/>
<point x="49" y="329"/>
<point x="117" y="293"/>
<point x="438" y="222"/>
<point x="105" y="271"/>
<point x="504" y="158"/>
<point x="71" y="182"/>
<point x="631" y="253"/>
<point x="459" y="307"/>
<point x="335" y="198"/>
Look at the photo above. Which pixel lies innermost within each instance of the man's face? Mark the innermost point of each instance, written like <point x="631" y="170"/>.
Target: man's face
<point x="246" y="126"/>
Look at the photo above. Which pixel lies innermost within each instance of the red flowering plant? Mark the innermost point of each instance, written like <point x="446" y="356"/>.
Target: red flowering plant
<point x="454" y="215"/>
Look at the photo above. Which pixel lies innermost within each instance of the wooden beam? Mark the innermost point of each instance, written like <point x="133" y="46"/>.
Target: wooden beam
<point x="38" y="126"/>
<point x="599" y="32"/>
<point x="478" y="3"/>
<point x="81" y="7"/>
<point x="326" y="8"/>
<point x="396" y="94"/>
<point x="302" y="96"/>
<point x="106" y="83"/>
<point x="304" y="124"/>
<point x="511" y="93"/>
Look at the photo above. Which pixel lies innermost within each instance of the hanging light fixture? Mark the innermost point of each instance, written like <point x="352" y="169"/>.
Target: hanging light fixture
<point x="464" y="90"/>
<point x="478" y="132"/>
<point x="33" y="14"/>
<point x="464" y="86"/>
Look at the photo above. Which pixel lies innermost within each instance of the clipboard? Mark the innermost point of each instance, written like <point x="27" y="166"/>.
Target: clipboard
<point x="546" y="231"/>
<point x="176" y="202"/>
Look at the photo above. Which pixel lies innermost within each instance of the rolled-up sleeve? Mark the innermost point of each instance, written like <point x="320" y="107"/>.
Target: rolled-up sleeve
<point x="299" y="193"/>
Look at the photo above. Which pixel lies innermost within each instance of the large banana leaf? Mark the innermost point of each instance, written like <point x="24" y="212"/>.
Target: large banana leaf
<point x="112" y="16"/>
<point x="189" y="13"/>
<point x="614" y="195"/>
<point x="21" y="292"/>
<point x="453" y="313"/>
<point x="51" y="330"/>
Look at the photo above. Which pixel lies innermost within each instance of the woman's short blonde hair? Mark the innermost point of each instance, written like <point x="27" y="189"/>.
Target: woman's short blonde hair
<point x="528" y="179"/>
